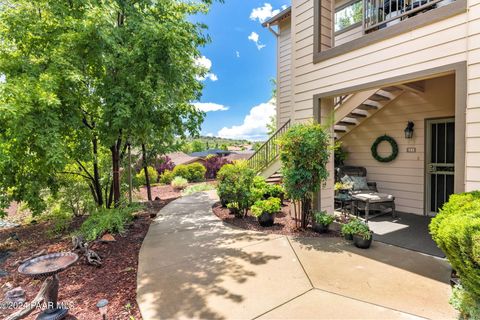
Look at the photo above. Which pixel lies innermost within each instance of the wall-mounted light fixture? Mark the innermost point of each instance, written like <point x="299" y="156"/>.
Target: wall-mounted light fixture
<point x="409" y="130"/>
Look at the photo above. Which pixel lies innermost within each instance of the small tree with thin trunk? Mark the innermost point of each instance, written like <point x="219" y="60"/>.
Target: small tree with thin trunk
<point x="304" y="152"/>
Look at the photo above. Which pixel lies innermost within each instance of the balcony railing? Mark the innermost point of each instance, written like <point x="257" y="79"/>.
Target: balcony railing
<point x="379" y="14"/>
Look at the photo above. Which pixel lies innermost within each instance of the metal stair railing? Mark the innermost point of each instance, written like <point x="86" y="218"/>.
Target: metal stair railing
<point x="269" y="151"/>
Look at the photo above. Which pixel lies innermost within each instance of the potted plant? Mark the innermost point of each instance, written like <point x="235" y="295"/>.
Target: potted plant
<point x="342" y="188"/>
<point x="264" y="211"/>
<point x="348" y="229"/>
<point x="321" y="221"/>
<point x="362" y="236"/>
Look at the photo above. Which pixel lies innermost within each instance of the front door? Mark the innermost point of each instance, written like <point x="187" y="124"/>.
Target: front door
<point x="440" y="160"/>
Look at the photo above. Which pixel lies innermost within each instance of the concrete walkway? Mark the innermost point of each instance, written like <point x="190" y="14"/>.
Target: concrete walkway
<point x="193" y="266"/>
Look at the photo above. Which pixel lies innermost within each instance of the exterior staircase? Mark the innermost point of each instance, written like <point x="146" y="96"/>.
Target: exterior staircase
<point x="265" y="161"/>
<point x="349" y="112"/>
<point x="352" y="110"/>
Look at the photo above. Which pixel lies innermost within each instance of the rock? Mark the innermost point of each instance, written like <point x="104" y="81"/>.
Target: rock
<point x="15" y="296"/>
<point x="5" y="224"/>
<point x="3" y="273"/>
<point x="107" y="237"/>
<point x="157" y="199"/>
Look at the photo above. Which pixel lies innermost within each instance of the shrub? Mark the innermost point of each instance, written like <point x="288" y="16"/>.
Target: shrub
<point x="349" y="227"/>
<point x="107" y="221"/>
<point x="465" y="303"/>
<point x="269" y="206"/>
<point x="304" y="152"/>
<point x="163" y="164"/>
<point x="198" y="188"/>
<point x="323" y="218"/>
<point x="194" y="172"/>
<point x="235" y="186"/>
<point x="275" y="190"/>
<point x="456" y="230"/>
<point x="152" y="174"/>
<point x="213" y="164"/>
<point x="166" y="177"/>
<point x="356" y="227"/>
<point x="179" y="183"/>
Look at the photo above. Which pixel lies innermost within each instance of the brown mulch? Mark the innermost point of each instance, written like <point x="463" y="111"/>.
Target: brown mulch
<point x="82" y="285"/>
<point x="284" y="223"/>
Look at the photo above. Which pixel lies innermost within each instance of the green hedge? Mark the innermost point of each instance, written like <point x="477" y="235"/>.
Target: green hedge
<point x="456" y="230"/>
<point x="194" y="172"/>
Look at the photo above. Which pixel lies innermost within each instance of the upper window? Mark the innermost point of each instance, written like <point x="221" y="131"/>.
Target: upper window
<point x="348" y="15"/>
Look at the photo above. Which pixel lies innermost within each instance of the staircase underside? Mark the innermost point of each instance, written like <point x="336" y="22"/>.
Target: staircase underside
<point x="350" y="112"/>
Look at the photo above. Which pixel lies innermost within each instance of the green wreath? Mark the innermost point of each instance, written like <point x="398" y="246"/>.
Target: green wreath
<point x="393" y="144"/>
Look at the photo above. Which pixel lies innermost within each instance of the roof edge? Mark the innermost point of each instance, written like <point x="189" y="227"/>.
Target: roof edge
<point x="279" y="17"/>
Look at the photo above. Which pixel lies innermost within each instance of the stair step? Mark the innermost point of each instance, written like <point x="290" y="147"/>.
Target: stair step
<point x="392" y="89"/>
<point x="357" y="114"/>
<point x="345" y="122"/>
<point x="367" y="107"/>
<point x="340" y="130"/>
<point x="379" y="97"/>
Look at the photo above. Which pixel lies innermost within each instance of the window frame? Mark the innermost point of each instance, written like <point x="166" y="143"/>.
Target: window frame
<point x="352" y="26"/>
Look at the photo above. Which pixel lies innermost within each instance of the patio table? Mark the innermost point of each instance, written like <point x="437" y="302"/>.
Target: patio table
<point x="373" y="199"/>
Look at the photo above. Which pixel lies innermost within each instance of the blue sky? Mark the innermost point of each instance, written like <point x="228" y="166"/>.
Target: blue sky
<point x="241" y="66"/>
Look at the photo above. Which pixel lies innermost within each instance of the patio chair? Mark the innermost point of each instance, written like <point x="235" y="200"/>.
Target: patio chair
<point x="366" y="196"/>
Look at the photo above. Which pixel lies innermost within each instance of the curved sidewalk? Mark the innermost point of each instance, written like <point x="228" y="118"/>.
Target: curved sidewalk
<point x="193" y="266"/>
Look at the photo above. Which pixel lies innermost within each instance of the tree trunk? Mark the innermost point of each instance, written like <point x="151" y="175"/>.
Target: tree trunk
<point x="306" y="210"/>
<point x="96" y="174"/>
<point x="116" y="172"/>
<point x="145" y="169"/>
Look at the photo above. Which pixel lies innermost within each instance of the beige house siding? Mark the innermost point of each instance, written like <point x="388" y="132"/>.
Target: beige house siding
<point x="284" y="85"/>
<point x="404" y="177"/>
<point x="349" y="35"/>
<point x="446" y="42"/>
<point x="472" y="173"/>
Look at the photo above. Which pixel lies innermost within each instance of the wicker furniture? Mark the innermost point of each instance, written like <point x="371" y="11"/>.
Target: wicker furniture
<point x="369" y="199"/>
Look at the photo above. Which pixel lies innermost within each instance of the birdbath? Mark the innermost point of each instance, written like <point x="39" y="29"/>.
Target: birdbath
<point x="44" y="267"/>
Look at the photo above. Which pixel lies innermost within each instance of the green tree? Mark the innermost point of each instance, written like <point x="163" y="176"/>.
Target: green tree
<point x="83" y="77"/>
<point x="197" y="146"/>
<point x="304" y="152"/>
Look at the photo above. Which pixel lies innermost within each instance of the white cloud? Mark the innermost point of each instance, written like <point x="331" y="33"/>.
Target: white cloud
<point x="264" y="13"/>
<point x="237" y="53"/>
<point x="209" y="134"/>
<point x="209" y="106"/>
<point x="205" y="63"/>
<point x="256" y="39"/>
<point x="254" y="126"/>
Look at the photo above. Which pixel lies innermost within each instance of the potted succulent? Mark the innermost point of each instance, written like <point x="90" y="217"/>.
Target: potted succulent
<point x="321" y="221"/>
<point x="362" y="236"/>
<point x="264" y="211"/>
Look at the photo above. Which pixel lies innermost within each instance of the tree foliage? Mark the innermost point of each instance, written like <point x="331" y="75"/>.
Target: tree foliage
<point x="456" y="230"/>
<point x="82" y="79"/>
<point x="304" y="152"/>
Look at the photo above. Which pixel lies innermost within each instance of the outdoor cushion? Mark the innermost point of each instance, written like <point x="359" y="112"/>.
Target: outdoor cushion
<point x="357" y="182"/>
<point x="372" y="197"/>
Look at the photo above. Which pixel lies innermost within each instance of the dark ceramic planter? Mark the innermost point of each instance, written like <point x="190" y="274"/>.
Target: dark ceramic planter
<point x="362" y="243"/>
<point x="223" y="202"/>
<point x="266" y="220"/>
<point x="320" y="228"/>
<point x="348" y="237"/>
